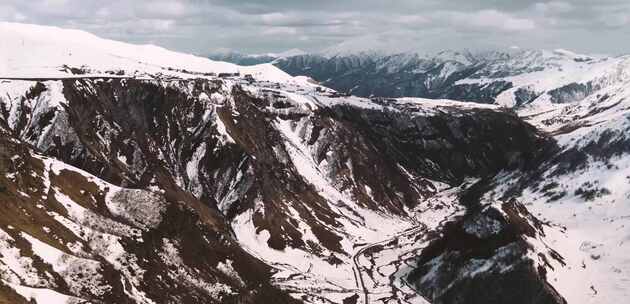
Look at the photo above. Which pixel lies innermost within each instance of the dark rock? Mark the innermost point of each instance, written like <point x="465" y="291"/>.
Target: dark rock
<point x="482" y="258"/>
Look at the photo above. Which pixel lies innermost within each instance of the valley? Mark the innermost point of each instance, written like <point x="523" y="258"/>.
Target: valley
<point x="167" y="183"/>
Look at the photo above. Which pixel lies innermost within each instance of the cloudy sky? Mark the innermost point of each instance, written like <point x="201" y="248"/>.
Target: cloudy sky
<point x="257" y="26"/>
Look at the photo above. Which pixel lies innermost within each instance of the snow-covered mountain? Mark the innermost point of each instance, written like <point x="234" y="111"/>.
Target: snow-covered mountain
<point x="133" y="174"/>
<point x="254" y="59"/>
<point x="511" y="78"/>
<point x="31" y="51"/>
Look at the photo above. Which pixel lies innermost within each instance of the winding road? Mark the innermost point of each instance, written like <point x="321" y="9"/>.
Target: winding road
<point x="406" y="248"/>
<point x="357" y="268"/>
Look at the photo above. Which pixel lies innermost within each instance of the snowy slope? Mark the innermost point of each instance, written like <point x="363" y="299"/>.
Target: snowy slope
<point x="557" y="71"/>
<point x="34" y="51"/>
<point x="67" y="236"/>
<point x="583" y="190"/>
<point x="287" y="53"/>
<point x="506" y="77"/>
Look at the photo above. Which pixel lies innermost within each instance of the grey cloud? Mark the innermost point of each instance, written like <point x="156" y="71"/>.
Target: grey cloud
<point x="201" y="26"/>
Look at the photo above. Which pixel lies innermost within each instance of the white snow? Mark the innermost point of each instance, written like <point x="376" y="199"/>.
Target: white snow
<point x="287" y="53"/>
<point x="35" y="51"/>
<point x="44" y="296"/>
<point x="13" y="266"/>
<point x="592" y="236"/>
<point x="227" y="268"/>
<point x="223" y="133"/>
<point x="79" y="273"/>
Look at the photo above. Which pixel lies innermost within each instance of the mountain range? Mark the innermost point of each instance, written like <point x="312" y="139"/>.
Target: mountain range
<point x="510" y="78"/>
<point x="135" y="174"/>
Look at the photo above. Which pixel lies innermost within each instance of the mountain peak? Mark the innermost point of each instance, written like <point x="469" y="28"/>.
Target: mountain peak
<point x="287" y="53"/>
<point x="32" y="51"/>
<point x="372" y="45"/>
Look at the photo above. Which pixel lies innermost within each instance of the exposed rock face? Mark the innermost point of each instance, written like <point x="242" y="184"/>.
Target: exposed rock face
<point x="128" y="131"/>
<point x="89" y="240"/>
<point x="211" y="160"/>
<point x="525" y="95"/>
<point x="510" y="78"/>
<point x="242" y="59"/>
<point x="573" y="92"/>
<point x="401" y="75"/>
<point x="451" y="147"/>
<point x="483" y="257"/>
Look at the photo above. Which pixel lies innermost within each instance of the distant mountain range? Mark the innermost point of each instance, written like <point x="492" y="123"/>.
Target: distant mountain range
<point x="253" y="59"/>
<point x="512" y="77"/>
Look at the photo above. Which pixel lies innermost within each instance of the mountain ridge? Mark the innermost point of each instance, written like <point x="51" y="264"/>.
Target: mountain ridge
<point x="182" y="181"/>
<point x="510" y="78"/>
